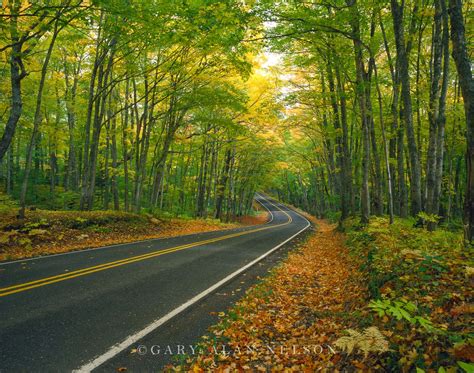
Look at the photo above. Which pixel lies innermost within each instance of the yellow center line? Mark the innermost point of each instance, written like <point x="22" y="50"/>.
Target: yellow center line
<point x="101" y="267"/>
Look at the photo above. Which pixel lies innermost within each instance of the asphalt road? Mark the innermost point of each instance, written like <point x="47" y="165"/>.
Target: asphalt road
<point x="85" y="310"/>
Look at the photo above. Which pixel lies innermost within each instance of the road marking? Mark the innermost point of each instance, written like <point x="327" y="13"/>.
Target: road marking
<point x="117" y="263"/>
<point x="120" y="244"/>
<point x="116" y="349"/>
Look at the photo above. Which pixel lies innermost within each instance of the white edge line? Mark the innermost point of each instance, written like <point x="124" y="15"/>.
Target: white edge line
<point x="266" y="208"/>
<point x="78" y="251"/>
<point x="117" y="348"/>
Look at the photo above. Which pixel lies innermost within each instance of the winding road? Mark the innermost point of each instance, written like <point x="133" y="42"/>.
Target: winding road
<point x="81" y="310"/>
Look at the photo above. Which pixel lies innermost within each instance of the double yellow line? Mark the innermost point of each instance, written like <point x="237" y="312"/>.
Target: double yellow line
<point x="117" y="263"/>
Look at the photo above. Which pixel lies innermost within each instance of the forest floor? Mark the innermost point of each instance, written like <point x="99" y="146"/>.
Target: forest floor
<point x="46" y="232"/>
<point x="340" y="303"/>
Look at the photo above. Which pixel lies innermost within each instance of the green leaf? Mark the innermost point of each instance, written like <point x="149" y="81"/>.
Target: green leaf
<point x="406" y="315"/>
<point x="467" y="367"/>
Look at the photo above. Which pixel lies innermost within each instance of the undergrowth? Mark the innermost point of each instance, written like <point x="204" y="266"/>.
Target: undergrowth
<point x="420" y="286"/>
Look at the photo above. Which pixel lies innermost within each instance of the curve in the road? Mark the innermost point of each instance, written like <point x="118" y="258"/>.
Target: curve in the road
<point x="116" y="349"/>
<point x="102" y="267"/>
<point x="123" y="292"/>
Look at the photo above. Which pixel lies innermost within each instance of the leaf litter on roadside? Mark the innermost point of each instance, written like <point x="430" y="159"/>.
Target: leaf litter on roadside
<point x="291" y="319"/>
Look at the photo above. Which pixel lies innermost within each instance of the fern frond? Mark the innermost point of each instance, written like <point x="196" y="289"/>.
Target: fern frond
<point x="370" y="340"/>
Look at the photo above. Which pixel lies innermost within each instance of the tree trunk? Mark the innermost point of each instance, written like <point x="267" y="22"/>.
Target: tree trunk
<point x="442" y="110"/>
<point x="98" y="60"/>
<point x="17" y="73"/>
<point x="361" y="81"/>
<point x="36" y="123"/>
<point x="402" y="186"/>
<point x="433" y="113"/>
<point x="394" y="123"/>
<point x="104" y="74"/>
<point x="114" y="186"/>
<point x="463" y="66"/>
<point x="125" y="157"/>
<point x="72" y="171"/>
<point x="386" y="150"/>
<point x="403" y="68"/>
<point x="347" y="169"/>
<point x="223" y="183"/>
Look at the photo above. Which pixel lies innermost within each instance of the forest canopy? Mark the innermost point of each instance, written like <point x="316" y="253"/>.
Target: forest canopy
<point x="189" y="107"/>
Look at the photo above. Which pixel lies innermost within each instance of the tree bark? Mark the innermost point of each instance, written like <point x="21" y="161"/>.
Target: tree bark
<point x="433" y="113"/>
<point x="361" y="82"/>
<point x="72" y="171"/>
<point x="386" y="150"/>
<point x="403" y="67"/>
<point x="17" y="73"/>
<point x="36" y="122"/>
<point x="463" y="66"/>
<point x="223" y="183"/>
<point x="442" y="110"/>
<point x="346" y="201"/>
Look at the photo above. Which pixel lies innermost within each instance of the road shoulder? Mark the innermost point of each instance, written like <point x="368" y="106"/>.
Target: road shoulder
<point x="290" y="319"/>
<point x="159" y="348"/>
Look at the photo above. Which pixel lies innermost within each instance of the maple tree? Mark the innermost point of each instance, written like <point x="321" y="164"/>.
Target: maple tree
<point x="111" y="104"/>
<point x="376" y="96"/>
<point x="128" y="106"/>
<point x="356" y="111"/>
